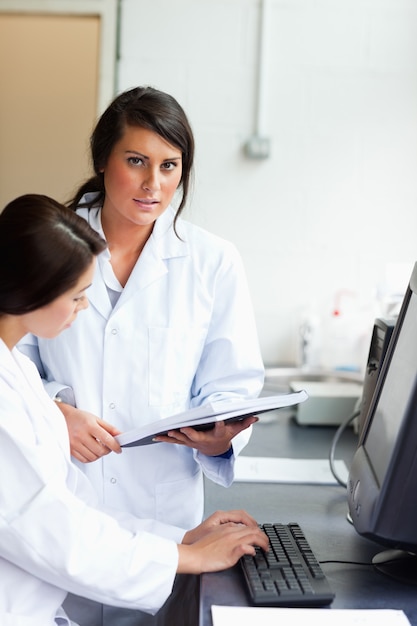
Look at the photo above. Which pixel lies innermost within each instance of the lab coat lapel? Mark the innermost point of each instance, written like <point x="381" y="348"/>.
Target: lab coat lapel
<point x="152" y="264"/>
<point x="149" y="268"/>
<point x="97" y="293"/>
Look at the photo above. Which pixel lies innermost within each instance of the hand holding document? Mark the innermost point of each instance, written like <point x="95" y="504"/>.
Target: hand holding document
<point x="204" y="417"/>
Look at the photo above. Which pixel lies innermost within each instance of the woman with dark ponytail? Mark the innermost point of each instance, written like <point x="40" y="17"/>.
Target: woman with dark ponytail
<point x="170" y="326"/>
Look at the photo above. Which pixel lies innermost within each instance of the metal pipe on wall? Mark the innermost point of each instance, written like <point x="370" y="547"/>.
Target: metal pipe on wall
<point x="258" y="145"/>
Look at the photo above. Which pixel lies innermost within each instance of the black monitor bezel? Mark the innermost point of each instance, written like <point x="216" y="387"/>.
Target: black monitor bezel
<point x="384" y="512"/>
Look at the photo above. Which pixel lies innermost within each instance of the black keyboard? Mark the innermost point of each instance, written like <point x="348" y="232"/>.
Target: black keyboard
<point x="289" y="574"/>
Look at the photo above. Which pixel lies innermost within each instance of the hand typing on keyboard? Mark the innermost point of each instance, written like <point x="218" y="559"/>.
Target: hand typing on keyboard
<point x="288" y="574"/>
<point x="219" y="542"/>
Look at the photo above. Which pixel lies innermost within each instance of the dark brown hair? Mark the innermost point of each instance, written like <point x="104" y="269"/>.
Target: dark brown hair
<point x="44" y="249"/>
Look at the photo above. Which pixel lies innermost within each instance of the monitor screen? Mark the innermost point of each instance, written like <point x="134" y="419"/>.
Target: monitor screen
<point x="382" y="484"/>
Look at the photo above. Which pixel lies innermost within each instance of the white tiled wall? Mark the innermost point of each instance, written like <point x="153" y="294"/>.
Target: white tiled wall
<point x="334" y="208"/>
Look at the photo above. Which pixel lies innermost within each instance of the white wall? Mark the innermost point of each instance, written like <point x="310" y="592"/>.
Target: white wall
<point x="334" y="207"/>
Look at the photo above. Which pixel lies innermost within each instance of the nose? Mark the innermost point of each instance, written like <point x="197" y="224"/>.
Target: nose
<point x="152" y="181"/>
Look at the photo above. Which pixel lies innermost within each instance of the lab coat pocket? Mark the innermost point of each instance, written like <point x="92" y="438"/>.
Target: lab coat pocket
<point x="181" y="501"/>
<point x="174" y="354"/>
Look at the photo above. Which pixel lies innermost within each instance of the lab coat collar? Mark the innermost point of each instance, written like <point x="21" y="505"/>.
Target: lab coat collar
<point x="163" y="235"/>
<point x="6" y="359"/>
<point x="12" y="361"/>
<point x="97" y="292"/>
<point x="162" y="245"/>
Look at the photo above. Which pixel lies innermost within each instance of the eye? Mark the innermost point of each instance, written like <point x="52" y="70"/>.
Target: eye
<point x="134" y="160"/>
<point x="169" y="165"/>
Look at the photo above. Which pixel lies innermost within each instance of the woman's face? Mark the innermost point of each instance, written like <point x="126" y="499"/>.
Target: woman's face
<point x="141" y="176"/>
<point x="51" y="319"/>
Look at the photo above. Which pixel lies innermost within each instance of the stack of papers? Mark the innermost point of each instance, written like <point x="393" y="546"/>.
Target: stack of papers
<point x="252" y="469"/>
<point x="266" y="616"/>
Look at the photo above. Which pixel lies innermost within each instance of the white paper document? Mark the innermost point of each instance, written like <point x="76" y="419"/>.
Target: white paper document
<point x="266" y="616"/>
<point x="204" y="417"/>
<point x="271" y="469"/>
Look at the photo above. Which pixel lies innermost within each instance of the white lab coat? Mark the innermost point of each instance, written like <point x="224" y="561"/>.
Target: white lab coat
<point x="52" y="536"/>
<point x="181" y="333"/>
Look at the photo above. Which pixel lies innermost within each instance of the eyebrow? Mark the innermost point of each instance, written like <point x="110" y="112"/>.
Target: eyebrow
<point x="146" y="158"/>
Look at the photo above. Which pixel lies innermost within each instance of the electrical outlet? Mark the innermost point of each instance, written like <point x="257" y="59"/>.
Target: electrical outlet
<point x="258" y="147"/>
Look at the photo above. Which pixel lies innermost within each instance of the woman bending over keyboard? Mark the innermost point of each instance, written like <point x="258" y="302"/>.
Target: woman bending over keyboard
<point x="54" y="537"/>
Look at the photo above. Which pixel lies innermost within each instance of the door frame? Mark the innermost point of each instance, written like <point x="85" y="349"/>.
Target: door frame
<point x="106" y="10"/>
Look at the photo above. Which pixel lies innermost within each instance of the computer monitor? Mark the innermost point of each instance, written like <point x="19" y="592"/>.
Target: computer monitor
<point x="382" y="483"/>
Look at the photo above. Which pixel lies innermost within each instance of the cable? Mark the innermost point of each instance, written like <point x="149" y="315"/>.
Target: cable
<point x="335" y="441"/>
<point x="342" y="562"/>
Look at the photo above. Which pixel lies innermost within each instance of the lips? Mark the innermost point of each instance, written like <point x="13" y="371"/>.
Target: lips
<point x="146" y="202"/>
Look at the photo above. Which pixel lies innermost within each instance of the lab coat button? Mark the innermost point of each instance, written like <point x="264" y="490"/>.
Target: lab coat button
<point x="112" y="405"/>
<point x="113" y="481"/>
<point x="114" y="331"/>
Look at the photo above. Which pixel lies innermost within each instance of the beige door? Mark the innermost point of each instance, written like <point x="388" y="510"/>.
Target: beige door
<point x="48" y="104"/>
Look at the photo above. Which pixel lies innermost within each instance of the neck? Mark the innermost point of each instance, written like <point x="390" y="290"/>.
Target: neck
<point x="11" y="330"/>
<point x="126" y="242"/>
<point x="121" y="233"/>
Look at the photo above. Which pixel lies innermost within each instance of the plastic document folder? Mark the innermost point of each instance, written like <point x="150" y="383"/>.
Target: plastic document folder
<point x="204" y="417"/>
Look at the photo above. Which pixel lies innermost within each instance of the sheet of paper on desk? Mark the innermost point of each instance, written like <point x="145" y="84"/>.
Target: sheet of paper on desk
<point x="266" y="616"/>
<point x="271" y="469"/>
